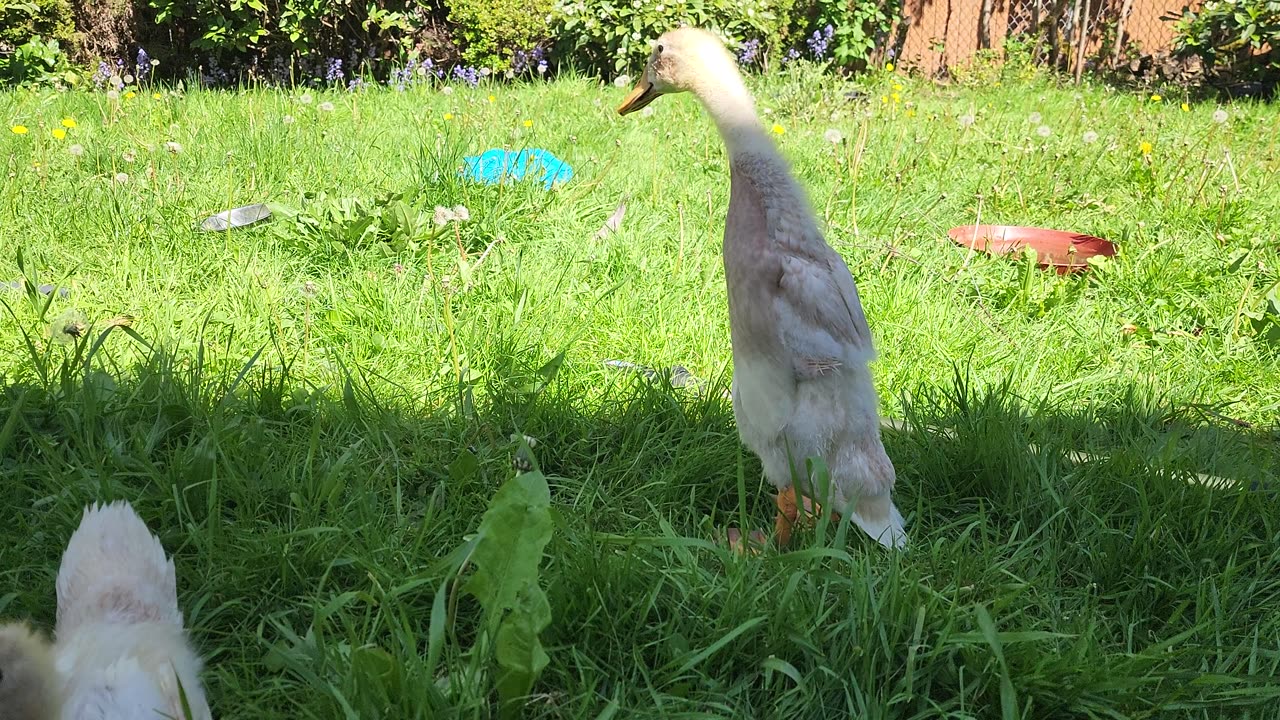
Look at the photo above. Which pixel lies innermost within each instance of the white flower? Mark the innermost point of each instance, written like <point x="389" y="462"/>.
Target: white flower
<point x="833" y="136"/>
<point x="1089" y="137"/>
<point x="287" y="119"/>
<point x="113" y="95"/>
<point x="128" y="79"/>
<point x="461" y="213"/>
<point x="128" y="156"/>
<point x="121" y="178"/>
<point x="325" y="107"/>
<point x="1219" y="116"/>
<point x="447" y="90"/>
<point x="1044" y="131"/>
<point x="76" y="150"/>
<point x="966" y="120"/>
<point x="67" y="327"/>
<point x="647" y="111"/>
<point x="305" y="99"/>
<point x="115" y="80"/>
<point x="309" y="288"/>
<point x="173" y="147"/>
<point x="622" y="80"/>
<point x="443" y="215"/>
<point x="1034" y="118"/>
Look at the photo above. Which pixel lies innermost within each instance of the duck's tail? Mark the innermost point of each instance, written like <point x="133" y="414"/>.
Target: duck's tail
<point x="879" y="518"/>
<point x="114" y="570"/>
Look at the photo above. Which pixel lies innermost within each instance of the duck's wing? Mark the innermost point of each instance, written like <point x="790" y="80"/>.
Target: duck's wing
<point x="115" y="570"/>
<point x="125" y="690"/>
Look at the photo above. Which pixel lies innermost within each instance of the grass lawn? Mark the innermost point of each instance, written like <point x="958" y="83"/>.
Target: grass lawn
<point x="313" y="413"/>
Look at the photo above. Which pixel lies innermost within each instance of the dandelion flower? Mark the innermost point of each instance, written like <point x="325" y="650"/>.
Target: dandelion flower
<point x="461" y="213"/>
<point x="128" y="79"/>
<point x="1034" y="118"/>
<point x="888" y="67"/>
<point x="325" y="107"/>
<point x="911" y="113"/>
<point x="443" y="216"/>
<point x="309" y="288"/>
<point x="966" y="120"/>
<point x="1145" y="147"/>
<point x="1186" y="107"/>
<point x="622" y="81"/>
<point x="156" y="96"/>
<point x="648" y="111"/>
<point x="287" y="119"/>
<point x="447" y="90"/>
<point x="76" y="150"/>
<point x="130" y="95"/>
<point x="128" y="156"/>
<point x="305" y="99"/>
<point x="528" y="123"/>
<point x="1156" y="98"/>
<point x="778" y="129"/>
<point x="1219" y="116"/>
<point x="121" y="178"/>
<point x="448" y="116"/>
<point x="18" y="129"/>
<point x="833" y="136"/>
<point x="1089" y="137"/>
<point x="59" y="134"/>
<point x="1044" y="131"/>
<point x="897" y="87"/>
<point x="897" y="98"/>
<point x="113" y="95"/>
<point x="68" y="327"/>
<point x="492" y="99"/>
<point x="884" y="99"/>
<point x="173" y="147"/>
<point x="68" y="123"/>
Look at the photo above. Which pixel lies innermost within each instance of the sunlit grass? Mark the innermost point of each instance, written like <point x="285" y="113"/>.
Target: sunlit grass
<point x="314" y="412"/>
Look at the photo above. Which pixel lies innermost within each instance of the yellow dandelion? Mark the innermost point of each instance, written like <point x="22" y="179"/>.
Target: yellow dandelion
<point x="156" y="96"/>
<point x="68" y="123"/>
<point x="1145" y="147"/>
<point x="448" y="116"/>
<point x="897" y="87"/>
<point x="18" y="129"/>
<point x="896" y="98"/>
<point x="493" y="99"/>
<point x="130" y="95"/>
<point x="59" y="134"/>
<point x="35" y="165"/>
<point x="1186" y="107"/>
<point x="911" y="113"/>
<point x="528" y="123"/>
<point x="778" y="129"/>
<point x="888" y="67"/>
<point x="884" y="99"/>
<point x="1156" y="98"/>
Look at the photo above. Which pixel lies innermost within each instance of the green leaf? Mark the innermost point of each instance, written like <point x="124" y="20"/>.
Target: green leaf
<point x="512" y="535"/>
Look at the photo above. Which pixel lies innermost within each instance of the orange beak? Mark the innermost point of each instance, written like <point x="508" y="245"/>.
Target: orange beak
<point x="641" y="95"/>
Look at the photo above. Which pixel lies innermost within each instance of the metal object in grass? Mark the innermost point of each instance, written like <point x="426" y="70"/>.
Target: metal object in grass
<point x="18" y="285"/>
<point x="236" y="218"/>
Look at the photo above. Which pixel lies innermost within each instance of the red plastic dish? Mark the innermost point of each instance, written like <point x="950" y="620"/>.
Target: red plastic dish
<point x="1064" y="251"/>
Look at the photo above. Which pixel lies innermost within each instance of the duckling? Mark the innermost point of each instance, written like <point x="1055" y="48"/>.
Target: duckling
<point x="29" y="683"/>
<point x="120" y="646"/>
<point x="801" y="346"/>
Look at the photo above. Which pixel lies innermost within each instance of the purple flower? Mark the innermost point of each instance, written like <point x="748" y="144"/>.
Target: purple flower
<point x="791" y="56"/>
<point x="356" y="83"/>
<point x="144" y="65"/>
<point x="333" y="71"/>
<point x="469" y="75"/>
<point x="102" y="74"/>
<point x="749" y="52"/>
<point x="820" y="40"/>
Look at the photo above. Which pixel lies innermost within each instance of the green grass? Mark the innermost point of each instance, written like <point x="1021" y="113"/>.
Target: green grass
<point x="315" y="455"/>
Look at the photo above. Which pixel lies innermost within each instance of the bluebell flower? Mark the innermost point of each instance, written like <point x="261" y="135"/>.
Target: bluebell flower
<point x="333" y="72"/>
<point x="144" y="65"/>
<point x="749" y="52"/>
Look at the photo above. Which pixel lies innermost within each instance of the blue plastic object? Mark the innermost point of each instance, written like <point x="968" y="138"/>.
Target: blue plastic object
<point x="493" y="166"/>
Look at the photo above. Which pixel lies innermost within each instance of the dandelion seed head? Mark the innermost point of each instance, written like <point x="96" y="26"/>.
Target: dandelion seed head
<point x="76" y="150"/>
<point x="966" y="120"/>
<point x="833" y="136"/>
<point x="325" y="107"/>
<point x="1219" y="116"/>
<point x="1044" y="131"/>
<point x="1089" y="137"/>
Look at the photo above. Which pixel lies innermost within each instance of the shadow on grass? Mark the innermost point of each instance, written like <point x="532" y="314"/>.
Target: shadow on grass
<point x="313" y="523"/>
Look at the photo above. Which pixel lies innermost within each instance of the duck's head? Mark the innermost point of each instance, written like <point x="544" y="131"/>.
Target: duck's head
<point x="28" y="680"/>
<point x="684" y="60"/>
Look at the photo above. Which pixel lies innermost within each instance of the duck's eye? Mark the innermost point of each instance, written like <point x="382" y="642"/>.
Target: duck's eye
<point x="659" y="49"/>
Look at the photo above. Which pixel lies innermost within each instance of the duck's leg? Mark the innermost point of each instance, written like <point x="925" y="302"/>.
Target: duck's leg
<point x="790" y="515"/>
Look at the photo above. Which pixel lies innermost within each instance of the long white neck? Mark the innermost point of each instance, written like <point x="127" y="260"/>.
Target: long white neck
<point x="730" y="105"/>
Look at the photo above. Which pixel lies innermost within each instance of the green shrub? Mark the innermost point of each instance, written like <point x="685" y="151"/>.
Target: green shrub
<point x="857" y="27"/>
<point x="490" y="31"/>
<point x="1224" y="32"/>
<point x="23" y="20"/>
<point x="614" y="35"/>
<point x="36" y="61"/>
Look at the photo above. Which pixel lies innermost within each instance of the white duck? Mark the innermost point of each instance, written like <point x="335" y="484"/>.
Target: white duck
<point x="121" y="650"/>
<point x="801" y="345"/>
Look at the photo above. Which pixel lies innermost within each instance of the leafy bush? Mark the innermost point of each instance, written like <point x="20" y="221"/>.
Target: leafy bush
<point x="23" y="20"/>
<point x="1230" y="30"/>
<point x="492" y="31"/>
<point x="614" y="35"/>
<point x="856" y="28"/>
<point x="35" y="61"/>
